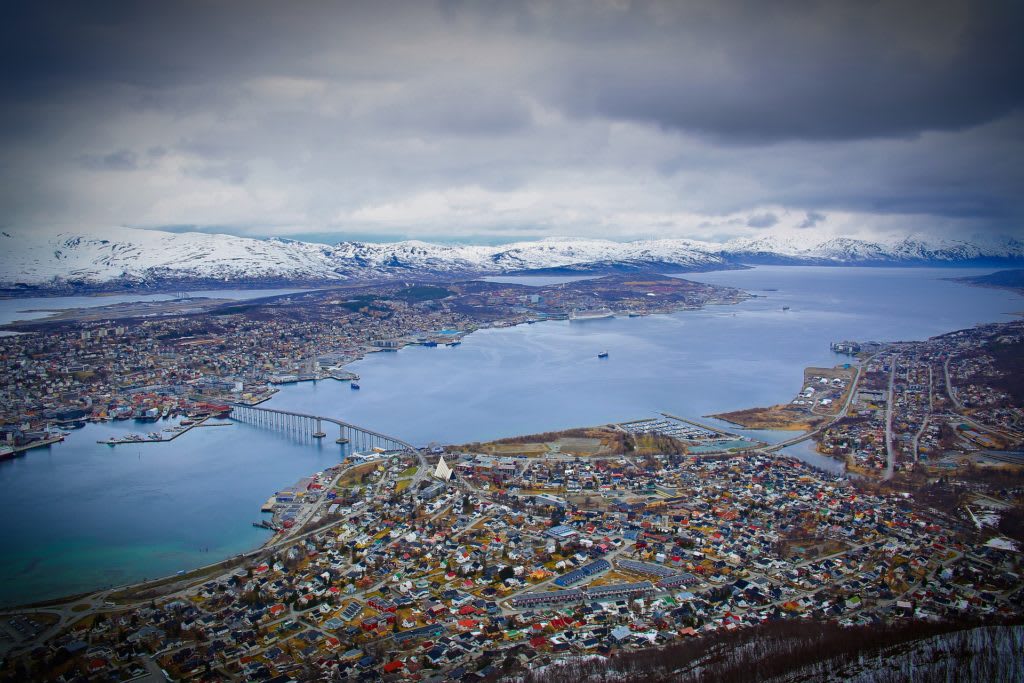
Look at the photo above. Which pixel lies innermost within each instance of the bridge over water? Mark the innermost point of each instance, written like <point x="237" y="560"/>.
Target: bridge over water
<point x="312" y="426"/>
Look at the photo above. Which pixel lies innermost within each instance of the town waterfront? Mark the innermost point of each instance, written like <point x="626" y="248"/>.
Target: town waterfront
<point x="86" y="515"/>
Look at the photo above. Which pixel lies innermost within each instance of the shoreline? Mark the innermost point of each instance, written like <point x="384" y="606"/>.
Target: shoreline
<point x="268" y="541"/>
<point x="11" y="292"/>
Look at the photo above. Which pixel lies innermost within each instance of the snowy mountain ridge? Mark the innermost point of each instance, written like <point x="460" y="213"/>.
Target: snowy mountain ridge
<point x="125" y="257"/>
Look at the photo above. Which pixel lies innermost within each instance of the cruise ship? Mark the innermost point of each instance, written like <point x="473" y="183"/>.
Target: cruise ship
<point x="592" y="314"/>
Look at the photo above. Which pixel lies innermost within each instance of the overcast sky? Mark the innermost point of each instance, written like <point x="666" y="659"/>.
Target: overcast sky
<point x="497" y="121"/>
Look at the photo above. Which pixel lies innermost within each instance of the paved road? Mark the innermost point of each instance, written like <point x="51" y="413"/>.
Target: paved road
<point x="950" y="391"/>
<point x="890" y="454"/>
<point x="928" y="415"/>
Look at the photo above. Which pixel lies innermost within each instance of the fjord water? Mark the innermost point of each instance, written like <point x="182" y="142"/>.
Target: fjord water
<point x="35" y="308"/>
<point x="502" y="382"/>
<point x="83" y="515"/>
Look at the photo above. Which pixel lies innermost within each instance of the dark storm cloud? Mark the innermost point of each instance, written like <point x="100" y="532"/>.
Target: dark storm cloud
<point x="811" y="218"/>
<point x="740" y="70"/>
<point x="811" y="71"/>
<point x="520" y="116"/>
<point x="455" y="109"/>
<point x="762" y="220"/>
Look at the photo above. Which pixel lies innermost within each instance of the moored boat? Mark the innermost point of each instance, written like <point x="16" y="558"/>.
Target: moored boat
<point x="592" y="314"/>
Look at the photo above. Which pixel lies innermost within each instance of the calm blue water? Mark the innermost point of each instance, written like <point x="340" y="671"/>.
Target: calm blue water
<point x="547" y="376"/>
<point x="82" y="515"/>
<point x="41" y="307"/>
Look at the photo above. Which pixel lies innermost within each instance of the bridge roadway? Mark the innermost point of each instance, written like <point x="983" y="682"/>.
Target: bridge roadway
<point x="312" y="425"/>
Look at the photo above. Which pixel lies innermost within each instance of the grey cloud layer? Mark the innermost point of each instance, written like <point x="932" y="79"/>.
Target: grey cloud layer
<point x="469" y="119"/>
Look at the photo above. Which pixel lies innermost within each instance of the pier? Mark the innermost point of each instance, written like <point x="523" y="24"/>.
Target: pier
<point x="166" y="435"/>
<point x="18" y="451"/>
<point x="312" y="426"/>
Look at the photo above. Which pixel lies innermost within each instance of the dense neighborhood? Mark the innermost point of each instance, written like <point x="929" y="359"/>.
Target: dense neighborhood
<point x="498" y="568"/>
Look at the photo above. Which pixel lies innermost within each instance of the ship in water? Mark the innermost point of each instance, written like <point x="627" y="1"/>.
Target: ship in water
<point x="603" y="354"/>
<point x="591" y="314"/>
<point x="353" y="386"/>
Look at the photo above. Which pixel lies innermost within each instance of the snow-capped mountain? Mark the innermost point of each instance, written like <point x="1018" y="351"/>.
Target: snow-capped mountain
<point x="521" y="256"/>
<point x="845" y="250"/>
<point x="125" y="257"/>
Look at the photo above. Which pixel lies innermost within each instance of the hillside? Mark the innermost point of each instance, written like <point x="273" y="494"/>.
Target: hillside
<point x="795" y="651"/>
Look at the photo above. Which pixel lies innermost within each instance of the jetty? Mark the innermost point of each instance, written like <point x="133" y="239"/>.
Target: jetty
<point x="18" y="451"/>
<point x="159" y="437"/>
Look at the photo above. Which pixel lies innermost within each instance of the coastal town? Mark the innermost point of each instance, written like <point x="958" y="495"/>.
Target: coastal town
<point x="465" y="566"/>
<point x="494" y="561"/>
<point x="925" y="407"/>
<point x="944" y="403"/>
<point x="515" y="341"/>
<point x="60" y="374"/>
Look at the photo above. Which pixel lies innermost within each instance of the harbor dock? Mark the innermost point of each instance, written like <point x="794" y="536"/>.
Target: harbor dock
<point x="18" y="451"/>
<point x="159" y="437"/>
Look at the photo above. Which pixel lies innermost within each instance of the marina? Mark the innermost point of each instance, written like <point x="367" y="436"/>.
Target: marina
<point x="698" y="437"/>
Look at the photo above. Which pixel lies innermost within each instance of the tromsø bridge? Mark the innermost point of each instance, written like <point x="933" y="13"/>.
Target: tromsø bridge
<point x="312" y="426"/>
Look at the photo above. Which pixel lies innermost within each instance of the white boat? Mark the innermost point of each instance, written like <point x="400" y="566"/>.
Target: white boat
<point x="592" y="314"/>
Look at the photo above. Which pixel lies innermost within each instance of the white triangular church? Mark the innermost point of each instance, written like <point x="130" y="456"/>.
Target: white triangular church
<point x="442" y="471"/>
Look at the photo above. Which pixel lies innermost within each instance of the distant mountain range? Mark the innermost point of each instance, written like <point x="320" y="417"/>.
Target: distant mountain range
<point x="127" y="258"/>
